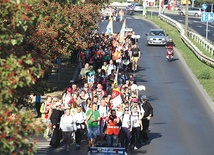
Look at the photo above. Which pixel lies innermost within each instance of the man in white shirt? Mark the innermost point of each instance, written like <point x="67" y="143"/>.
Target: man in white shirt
<point x="110" y="67"/>
<point x="103" y="109"/>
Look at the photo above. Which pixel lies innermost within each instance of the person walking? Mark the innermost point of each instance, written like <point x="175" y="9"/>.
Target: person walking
<point x="136" y="127"/>
<point x="113" y="124"/>
<point x="68" y="126"/>
<point x="92" y="119"/>
<point x="55" y="120"/>
<point x="38" y="105"/>
<point x="135" y="57"/>
<point x="81" y="126"/>
<point x="110" y="67"/>
<point x="44" y="110"/>
<point x="125" y="129"/>
<point x="146" y="119"/>
<point x="121" y="13"/>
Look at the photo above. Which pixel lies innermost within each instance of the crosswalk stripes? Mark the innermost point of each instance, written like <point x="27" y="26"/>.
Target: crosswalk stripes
<point x="42" y="148"/>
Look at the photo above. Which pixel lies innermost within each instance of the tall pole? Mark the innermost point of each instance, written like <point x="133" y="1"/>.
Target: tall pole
<point x="159" y="6"/>
<point x="207" y="26"/>
<point x="186" y="18"/>
<point x="211" y="7"/>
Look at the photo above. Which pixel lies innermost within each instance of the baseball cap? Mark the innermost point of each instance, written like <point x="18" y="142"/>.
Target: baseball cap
<point x="135" y="100"/>
<point x="144" y="97"/>
<point x="69" y="89"/>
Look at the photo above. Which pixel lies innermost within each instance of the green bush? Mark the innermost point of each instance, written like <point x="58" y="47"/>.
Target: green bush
<point x="206" y="74"/>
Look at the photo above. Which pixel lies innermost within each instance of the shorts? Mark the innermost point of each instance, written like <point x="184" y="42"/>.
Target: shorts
<point x="46" y="121"/>
<point x="92" y="132"/>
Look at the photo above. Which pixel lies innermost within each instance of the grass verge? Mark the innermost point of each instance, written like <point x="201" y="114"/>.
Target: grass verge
<point x="203" y="72"/>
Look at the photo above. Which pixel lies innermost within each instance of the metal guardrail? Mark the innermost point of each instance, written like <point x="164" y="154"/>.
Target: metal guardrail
<point x="208" y="46"/>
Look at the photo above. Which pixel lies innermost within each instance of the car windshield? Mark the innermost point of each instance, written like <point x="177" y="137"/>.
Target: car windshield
<point x="156" y="33"/>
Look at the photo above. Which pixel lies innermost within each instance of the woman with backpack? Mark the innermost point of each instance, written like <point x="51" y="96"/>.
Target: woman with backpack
<point x="81" y="126"/>
<point x="136" y="125"/>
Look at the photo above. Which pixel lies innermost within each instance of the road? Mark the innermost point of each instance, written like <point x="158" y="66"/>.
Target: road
<point x="194" y="23"/>
<point x="183" y="123"/>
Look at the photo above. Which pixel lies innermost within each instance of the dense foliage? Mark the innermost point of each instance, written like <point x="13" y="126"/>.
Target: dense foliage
<point x="33" y="35"/>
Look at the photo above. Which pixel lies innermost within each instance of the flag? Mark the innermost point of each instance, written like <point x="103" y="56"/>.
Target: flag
<point x="109" y="27"/>
<point x="116" y="94"/>
<point x="122" y="31"/>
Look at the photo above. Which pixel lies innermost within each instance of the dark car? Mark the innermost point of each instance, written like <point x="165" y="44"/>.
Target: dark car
<point x="130" y="10"/>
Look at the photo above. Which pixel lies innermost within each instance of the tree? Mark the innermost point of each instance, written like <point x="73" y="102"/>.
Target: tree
<point x="32" y="35"/>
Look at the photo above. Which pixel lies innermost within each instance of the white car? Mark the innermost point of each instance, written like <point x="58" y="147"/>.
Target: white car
<point x="138" y="7"/>
<point x="192" y="11"/>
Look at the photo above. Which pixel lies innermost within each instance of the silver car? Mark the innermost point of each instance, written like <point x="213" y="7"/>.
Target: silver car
<point x="156" y="37"/>
<point x="138" y="7"/>
<point x="192" y="11"/>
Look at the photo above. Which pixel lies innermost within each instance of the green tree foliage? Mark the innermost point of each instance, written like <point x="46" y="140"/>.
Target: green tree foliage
<point x="32" y="35"/>
<point x="200" y="2"/>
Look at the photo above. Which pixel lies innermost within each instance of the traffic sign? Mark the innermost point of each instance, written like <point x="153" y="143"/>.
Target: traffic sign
<point x="204" y="6"/>
<point x="207" y="17"/>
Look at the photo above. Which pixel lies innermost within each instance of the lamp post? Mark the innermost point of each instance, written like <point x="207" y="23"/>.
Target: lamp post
<point x="186" y="18"/>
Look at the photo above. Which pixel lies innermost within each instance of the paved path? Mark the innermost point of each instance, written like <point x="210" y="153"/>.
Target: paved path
<point x="58" y="82"/>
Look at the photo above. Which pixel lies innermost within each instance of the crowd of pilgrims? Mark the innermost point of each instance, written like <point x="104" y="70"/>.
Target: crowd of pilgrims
<point x="86" y="106"/>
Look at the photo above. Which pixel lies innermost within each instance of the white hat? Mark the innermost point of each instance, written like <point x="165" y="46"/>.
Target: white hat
<point x="58" y="104"/>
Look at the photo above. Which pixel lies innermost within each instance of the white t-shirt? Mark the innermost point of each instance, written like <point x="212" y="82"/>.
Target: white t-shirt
<point x="135" y="119"/>
<point x="80" y="117"/>
<point x="103" y="111"/>
<point x="109" y="68"/>
<point x="126" y="121"/>
<point x="68" y="123"/>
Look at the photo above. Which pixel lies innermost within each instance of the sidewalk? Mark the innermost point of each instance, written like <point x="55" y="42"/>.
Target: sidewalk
<point x="58" y="81"/>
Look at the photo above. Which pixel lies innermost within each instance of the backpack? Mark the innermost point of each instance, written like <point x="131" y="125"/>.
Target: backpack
<point x="135" y="52"/>
<point x="139" y="107"/>
<point x="138" y="115"/>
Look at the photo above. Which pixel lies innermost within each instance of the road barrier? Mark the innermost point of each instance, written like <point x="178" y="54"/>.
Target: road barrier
<point x="208" y="46"/>
<point x="196" y="37"/>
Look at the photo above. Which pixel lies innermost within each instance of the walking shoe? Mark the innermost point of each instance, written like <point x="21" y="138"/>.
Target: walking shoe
<point x="67" y="149"/>
<point x="135" y="148"/>
<point x="77" y="146"/>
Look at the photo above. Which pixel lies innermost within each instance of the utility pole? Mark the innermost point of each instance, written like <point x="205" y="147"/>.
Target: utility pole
<point x="159" y="8"/>
<point x="186" y="18"/>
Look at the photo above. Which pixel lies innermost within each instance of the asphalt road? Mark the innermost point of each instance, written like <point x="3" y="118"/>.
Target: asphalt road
<point x="193" y="22"/>
<point x="183" y="123"/>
